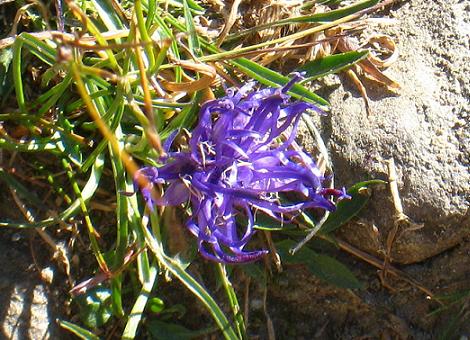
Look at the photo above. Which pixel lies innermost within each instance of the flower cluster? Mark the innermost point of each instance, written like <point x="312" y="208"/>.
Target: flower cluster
<point x="241" y="156"/>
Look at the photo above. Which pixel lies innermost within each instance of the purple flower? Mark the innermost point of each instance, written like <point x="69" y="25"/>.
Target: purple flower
<point x="242" y="156"/>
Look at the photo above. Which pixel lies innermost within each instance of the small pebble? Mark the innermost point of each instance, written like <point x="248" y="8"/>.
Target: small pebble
<point x="47" y="275"/>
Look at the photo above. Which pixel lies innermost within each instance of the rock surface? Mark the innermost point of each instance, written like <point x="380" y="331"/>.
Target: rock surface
<point x="27" y="311"/>
<point x="425" y="128"/>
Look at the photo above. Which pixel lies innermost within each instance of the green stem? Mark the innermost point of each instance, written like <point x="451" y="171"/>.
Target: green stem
<point x="232" y="297"/>
<point x="91" y="230"/>
<point x="144" y="34"/>
<point x="175" y="268"/>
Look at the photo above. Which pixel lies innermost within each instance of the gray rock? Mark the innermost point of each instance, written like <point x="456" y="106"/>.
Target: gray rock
<point x="425" y="129"/>
<point x="27" y="310"/>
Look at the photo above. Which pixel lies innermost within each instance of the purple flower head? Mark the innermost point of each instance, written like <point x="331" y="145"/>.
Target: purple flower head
<point x="242" y="156"/>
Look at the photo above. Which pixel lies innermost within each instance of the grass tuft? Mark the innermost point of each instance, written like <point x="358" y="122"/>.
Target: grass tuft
<point x="85" y="106"/>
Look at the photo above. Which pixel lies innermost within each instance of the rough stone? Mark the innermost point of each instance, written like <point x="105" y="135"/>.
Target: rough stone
<point x="26" y="309"/>
<point x="425" y="128"/>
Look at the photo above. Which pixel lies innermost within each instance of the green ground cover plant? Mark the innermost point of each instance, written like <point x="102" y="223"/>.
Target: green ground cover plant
<point x="91" y="93"/>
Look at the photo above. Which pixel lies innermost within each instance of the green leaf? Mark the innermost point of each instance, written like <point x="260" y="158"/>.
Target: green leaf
<point x="329" y="2"/>
<point x="160" y="330"/>
<point x="177" y="311"/>
<point x="156" y="305"/>
<point x="194" y="44"/>
<point x="108" y="15"/>
<point x="82" y="333"/>
<point x="6" y="56"/>
<point x="334" y="14"/>
<point x="331" y="64"/>
<point x="322" y="266"/>
<point x="254" y="271"/>
<point x="66" y="144"/>
<point x="271" y="78"/>
<point x="185" y="119"/>
<point x="347" y="209"/>
<point x="265" y="222"/>
<point x="95" y="307"/>
<point x="333" y="271"/>
<point x="195" y="6"/>
<point x="175" y="268"/>
<point x="136" y="314"/>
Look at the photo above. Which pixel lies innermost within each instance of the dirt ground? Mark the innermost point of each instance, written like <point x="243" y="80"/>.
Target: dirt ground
<point x="299" y="305"/>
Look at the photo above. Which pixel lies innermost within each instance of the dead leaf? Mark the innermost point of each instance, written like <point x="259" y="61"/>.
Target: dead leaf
<point x="208" y="75"/>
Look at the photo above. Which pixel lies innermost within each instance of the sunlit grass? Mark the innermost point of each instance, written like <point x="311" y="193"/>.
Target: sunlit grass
<point x="109" y="94"/>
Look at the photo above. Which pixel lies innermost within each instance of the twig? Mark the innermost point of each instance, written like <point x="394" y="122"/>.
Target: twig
<point x="273" y="252"/>
<point x="379" y="264"/>
<point x="291" y="47"/>
<point x="313" y="231"/>
<point x="324" y="153"/>
<point x="60" y="15"/>
<point x="392" y="178"/>
<point x="229" y="22"/>
<point x="269" y="322"/>
<point x="246" y="303"/>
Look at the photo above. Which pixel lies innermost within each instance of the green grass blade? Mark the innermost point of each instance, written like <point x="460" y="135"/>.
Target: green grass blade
<point x="135" y="316"/>
<point x="108" y="15"/>
<point x="168" y="33"/>
<point x="81" y="332"/>
<point x="50" y="98"/>
<point x="334" y="14"/>
<point x="145" y="36"/>
<point x="263" y="74"/>
<point x="17" y="75"/>
<point x="83" y="206"/>
<point x="122" y="223"/>
<point x="194" y="44"/>
<point x="162" y="330"/>
<point x="176" y="269"/>
<point x="195" y="6"/>
<point x="143" y="263"/>
<point x="233" y="53"/>
<point x="33" y="145"/>
<point x="271" y="78"/>
<point x="185" y="119"/>
<point x="94" y="31"/>
<point x="151" y="12"/>
<point x="79" y="102"/>
<point x="36" y="47"/>
<point x="331" y="64"/>
<point x="232" y="297"/>
<point x="115" y="112"/>
<point x="39" y="48"/>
